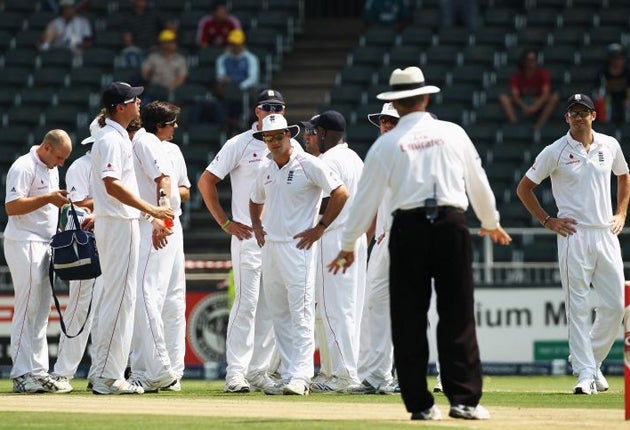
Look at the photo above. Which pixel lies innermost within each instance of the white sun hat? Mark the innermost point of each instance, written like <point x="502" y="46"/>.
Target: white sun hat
<point x="387" y="110"/>
<point x="407" y="83"/>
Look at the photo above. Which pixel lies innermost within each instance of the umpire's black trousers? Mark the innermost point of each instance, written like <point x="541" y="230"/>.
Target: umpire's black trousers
<point x="421" y="250"/>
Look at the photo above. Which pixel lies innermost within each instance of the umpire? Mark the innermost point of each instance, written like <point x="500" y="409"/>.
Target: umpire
<point x="430" y="167"/>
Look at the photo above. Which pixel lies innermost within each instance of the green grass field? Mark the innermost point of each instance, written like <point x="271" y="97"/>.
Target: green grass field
<point x="515" y="403"/>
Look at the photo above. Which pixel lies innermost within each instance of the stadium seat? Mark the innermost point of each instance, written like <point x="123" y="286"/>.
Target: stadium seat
<point x="419" y="37"/>
<point x="87" y="76"/>
<point x="378" y="36"/>
<point x="42" y="96"/>
<point x="569" y="36"/>
<point x="474" y="74"/>
<point x="28" y="39"/>
<point x="454" y="36"/>
<point x="583" y="18"/>
<point x="492" y="36"/>
<point x="482" y="55"/>
<point x="202" y="76"/>
<point x="77" y="96"/>
<point x="56" y="58"/>
<point x="367" y="56"/>
<point x="64" y="117"/>
<point x="403" y="56"/>
<point x="99" y="57"/>
<point x="11" y="21"/>
<point x="26" y="116"/>
<point x="499" y="17"/>
<point x="361" y="132"/>
<point x="21" y="57"/>
<point x="347" y="94"/>
<point x="532" y="37"/>
<point x="16" y="138"/>
<point x="543" y="19"/>
<point x="356" y="75"/>
<point x="51" y="76"/>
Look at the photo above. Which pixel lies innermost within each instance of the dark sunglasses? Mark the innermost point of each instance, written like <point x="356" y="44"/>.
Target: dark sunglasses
<point x="384" y="119"/>
<point x="311" y="131"/>
<point x="271" y="108"/>
<point x="277" y="138"/>
<point x="580" y="113"/>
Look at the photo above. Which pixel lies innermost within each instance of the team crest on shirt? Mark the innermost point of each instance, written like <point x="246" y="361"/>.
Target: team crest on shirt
<point x="13" y="190"/>
<point x="108" y="167"/>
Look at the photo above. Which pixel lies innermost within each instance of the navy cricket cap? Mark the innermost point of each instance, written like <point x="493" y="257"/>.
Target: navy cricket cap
<point x="119" y="92"/>
<point x="580" y="99"/>
<point x="270" y="96"/>
<point x="329" y="120"/>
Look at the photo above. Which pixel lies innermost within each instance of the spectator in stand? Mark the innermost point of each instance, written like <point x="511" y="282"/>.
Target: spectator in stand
<point x="459" y="12"/>
<point x="612" y="87"/>
<point x="235" y="67"/>
<point x="142" y="25"/>
<point x="387" y="12"/>
<point x="68" y="30"/>
<point x="213" y="30"/>
<point x="530" y="91"/>
<point x="165" y="68"/>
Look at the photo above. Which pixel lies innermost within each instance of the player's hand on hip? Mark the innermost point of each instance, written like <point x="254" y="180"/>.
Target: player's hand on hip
<point x="241" y="231"/>
<point x="617" y="223"/>
<point x="309" y="237"/>
<point x="58" y="198"/>
<point x="498" y="235"/>
<point x="563" y="226"/>
<point x="343" y="260"/>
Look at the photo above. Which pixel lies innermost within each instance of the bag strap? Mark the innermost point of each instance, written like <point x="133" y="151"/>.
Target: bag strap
<point x="77" y="226"/>
<point x="51" y="275"/>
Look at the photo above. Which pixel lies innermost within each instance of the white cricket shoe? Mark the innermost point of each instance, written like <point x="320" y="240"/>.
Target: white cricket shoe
<point x="585" y="386"/>
<point x="55" y="384"/>
<point x="115" y="386"/>
<point x="433" y="413"/>
<point x="27" y="384"/>
<point x="177" y="386"/>
<point x="260" y="381"/>
<point x="295" y="387"/>
<point x="337" y="385"/>
<point x="469" y="412"/>
<point x="153" y="385"/>
<point x="236" y="384"/>
<point x="388" y="388"/>
<point x="600" y="381"/>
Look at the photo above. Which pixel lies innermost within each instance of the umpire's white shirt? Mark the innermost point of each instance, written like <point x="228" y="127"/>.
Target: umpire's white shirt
<point x="241" y="157"/>
<point x="579" y="179"/>
<point x="292" y="194"/>
<point x="112" y="157"/>
<point x="29" y="177"/>
<point x="348" y="166"/>
<point x="150" y="162"/>
<point x="79" y="178"/>
<point x="420" y="158"/>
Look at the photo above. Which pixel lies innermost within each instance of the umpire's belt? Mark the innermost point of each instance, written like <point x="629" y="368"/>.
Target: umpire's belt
<point x="421" y="210"/>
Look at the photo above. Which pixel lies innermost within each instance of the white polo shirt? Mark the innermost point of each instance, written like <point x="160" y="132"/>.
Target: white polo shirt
<point x="241" y="157"/>
<point x="179" y="174"/>
<point x="79" y="178"/>
<point x="292" y="194"/>
<point x="580" y="181"/>
<point x="348" y="166"/>
<point x="112" y="157"/>
<point x="150" y="162"/>
<point x="29" y="177"/>
<point x="420" y="158"/>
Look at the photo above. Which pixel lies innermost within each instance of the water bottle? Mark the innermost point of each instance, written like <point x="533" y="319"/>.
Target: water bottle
<point x="168" y="223"/>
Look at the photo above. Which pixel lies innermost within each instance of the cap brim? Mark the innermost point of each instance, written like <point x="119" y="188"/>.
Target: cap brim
<point x="294" y="129"/>
<point x="581" y="104"/>
<point x="396" y="95"/>
<point x="374" y="118"/>
<point x="308" y="125"/>
<point x="270" y="102"/>
<point x="136" y="91"/>
<point x="89" y="139"/>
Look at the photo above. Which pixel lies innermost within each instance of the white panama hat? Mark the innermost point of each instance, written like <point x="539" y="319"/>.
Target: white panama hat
<point x="407" y="83"/>
<point x="275" y="122"/>
<point x="388" y="110"/>
<point x="94" y="128"/>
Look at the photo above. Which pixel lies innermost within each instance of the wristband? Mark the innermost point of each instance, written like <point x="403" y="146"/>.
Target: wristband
<point x="545" y="220"/>
<point x="225" y="224"/>
<point x="148" y="217"/>
<point x="322" y="224"/>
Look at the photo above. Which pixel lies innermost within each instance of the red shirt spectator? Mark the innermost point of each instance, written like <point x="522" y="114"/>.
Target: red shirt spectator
<point x="531" y="85"/>
<point x="214" y="29"/>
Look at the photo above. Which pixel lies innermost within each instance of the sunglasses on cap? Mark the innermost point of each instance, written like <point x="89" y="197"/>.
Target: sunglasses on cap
<point x="271" y="108"/>
<point x="126" y="102"/>
<point x="277" y="138"/>
<point x="580" y="113"/>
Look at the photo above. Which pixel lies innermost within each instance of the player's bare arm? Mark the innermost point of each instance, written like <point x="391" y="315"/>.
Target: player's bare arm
<point x="255" y="213"/>
<point x="623" y="197"/>
<point x="207" y="185"/>
<point x="338" y="198"/>
<point x="525" y="191"/>
<point x="24" y="205"/>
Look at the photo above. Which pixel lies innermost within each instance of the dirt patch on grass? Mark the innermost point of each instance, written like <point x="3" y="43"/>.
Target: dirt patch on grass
<point x="503" y="418"/>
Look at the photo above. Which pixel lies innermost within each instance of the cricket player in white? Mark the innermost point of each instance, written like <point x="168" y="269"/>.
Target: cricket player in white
<point x="289" y="187"/>
<point x="340" y="298"/>
<point x="249" y="340"/>
<point x="32" y="202"/>
<point x="376" y="358"/>
<point x="82" y="292"/>
<point x="174" y="308"/>
<point x="579" y="165"/>
<point x="117" y="208"/>
<point x="150" y="360"/>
